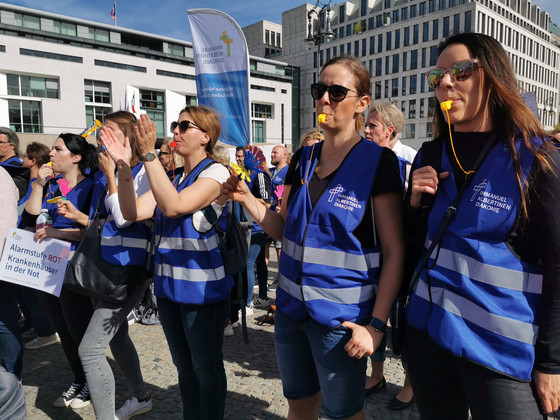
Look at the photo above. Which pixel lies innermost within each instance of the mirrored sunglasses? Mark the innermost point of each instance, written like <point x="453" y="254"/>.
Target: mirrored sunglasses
<point x="461" y="71"/>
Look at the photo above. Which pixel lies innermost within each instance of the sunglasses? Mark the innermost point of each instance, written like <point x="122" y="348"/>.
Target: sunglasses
<point x="461" y="71"/>
<point x="163" y="153"/>
<point x="184" y="126"/>
<point x="337" y="93"/>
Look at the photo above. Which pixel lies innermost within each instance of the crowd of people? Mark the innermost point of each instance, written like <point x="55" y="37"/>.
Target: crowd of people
<point x="466" y="229"/>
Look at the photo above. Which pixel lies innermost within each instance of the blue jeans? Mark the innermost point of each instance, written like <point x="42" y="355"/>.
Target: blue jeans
<point x="311" y="358"/>
<point x="12" y="398"/>
<point x="195" y="335"/>
<point x="109" y="326"/>
<point x="11" y="349"/>
<point x="256" y="258"/>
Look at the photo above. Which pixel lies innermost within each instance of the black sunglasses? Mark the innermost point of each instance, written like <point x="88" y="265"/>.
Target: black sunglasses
<point x="461" y="71"/>
<point x="337" y="93"/>
<point x="184" y="126"/>
<point x="163" y="153"/>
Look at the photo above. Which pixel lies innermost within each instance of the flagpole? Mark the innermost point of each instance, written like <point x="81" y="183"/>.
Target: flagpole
<point x="115" y="6"/>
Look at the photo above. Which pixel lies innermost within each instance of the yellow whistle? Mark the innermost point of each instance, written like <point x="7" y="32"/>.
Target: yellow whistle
<point x="446" y="105"/>
<point x="50" y="164"/>
<point x="94" y="126"/>
<point x="321" y="118"/>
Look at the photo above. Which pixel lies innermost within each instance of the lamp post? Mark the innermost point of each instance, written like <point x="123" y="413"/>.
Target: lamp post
<point x="321" y="34"/>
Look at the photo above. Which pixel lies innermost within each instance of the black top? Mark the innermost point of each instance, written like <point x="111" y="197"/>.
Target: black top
<point x="535" y="240"/>
<point x="387" y="179"/>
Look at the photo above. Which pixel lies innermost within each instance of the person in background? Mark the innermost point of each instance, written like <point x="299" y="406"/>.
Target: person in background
<point x="168" y="159"/>
<point x="12" y="398"/>
<point x="108" y="325"/>
<point x="239" y="156"/>
<point x="384" y="123"/>
<point x="308" y="139"/>
<point x="189" y="278"/>
<point x="323" y="337"/>
<point x="9" y="147"/>
<point x="483" y="330"/>
<point x="75" y="161"/>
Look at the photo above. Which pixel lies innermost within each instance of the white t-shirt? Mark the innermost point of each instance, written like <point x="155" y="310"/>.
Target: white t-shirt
<point x="220" y="174"/>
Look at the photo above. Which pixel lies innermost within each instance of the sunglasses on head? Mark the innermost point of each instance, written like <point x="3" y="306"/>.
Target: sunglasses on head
<point x="184" y="126"/>
<point x="337" y="93"/>
<point x="461" y="71"/>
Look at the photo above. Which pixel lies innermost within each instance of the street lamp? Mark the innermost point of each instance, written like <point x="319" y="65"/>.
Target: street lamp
<point x="320" y="10"/>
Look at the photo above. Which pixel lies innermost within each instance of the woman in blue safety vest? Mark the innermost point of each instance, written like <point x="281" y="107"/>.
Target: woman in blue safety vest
<point x="341" y="218"/>
<point x="483" y="317"/>
<point x="189" y="278"/>
<point x="123" y="243"/>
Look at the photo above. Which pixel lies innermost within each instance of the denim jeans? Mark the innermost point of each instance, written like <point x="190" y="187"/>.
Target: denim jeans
<point x="12" y="398"/>
<point x="195" y="336"/>
<point x="446" y="386"/>
<point x="11" y="349"/>
<point x="256" y="258"/>
<point x="109" y="326"/>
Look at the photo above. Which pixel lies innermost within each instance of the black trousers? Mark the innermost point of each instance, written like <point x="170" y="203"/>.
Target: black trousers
<point x="446" y="387"/>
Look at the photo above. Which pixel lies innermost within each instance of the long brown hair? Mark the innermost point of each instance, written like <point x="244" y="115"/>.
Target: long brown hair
<point x="207" y="119"/>
<point x="509" y="111"/>
<point x="126" y="122"/>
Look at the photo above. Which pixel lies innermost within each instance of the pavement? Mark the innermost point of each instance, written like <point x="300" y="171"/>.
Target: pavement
<point x="254" y="386"/>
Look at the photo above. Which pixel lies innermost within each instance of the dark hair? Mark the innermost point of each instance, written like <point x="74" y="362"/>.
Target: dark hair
<point x="13" y="138"/>
<point x="207" y="119"/>
<point x="77" y="145"/>
<point x="509" y="111"/>
<point x="126" y="122"/>
<point x="238" y="148"/>
<point x="39" y="152"/>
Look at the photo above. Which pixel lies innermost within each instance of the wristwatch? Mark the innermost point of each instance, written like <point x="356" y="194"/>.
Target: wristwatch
<point x="377" y="325"/>
<point x="148" y="157"/>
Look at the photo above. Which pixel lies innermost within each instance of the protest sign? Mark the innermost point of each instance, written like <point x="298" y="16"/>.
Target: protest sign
<point x="33" y="264"/>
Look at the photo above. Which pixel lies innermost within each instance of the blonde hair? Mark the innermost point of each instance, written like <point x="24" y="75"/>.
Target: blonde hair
<point x="389" y="115"/>
<point x="221" y="154"/>
<point x="207" y="119"/>
<point x="310" y="136"/>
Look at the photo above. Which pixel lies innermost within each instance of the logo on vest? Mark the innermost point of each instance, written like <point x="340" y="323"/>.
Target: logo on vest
<point x="344" y="201"/>
<point x="489" y="201"/>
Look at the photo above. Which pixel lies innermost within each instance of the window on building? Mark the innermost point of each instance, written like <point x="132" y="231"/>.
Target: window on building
<point x="415" y="31"/>
<point x="98" y="92"/>
<point x="99" y="34"/>
<point x="378" y="67"/>
<point x="397" y="39"/>
<point x="404" y="60"/>
<point x="422" y="8"/>
<point x="431" y="6"/>
<point x="413" y="59"/>
<point x="404" y="13"/>
<point x="413" y="11"/>
<point x="175" y="49"/>
<point x="341" y="49"/>
<point x="456" y="23"/>
<point x="25" y="116"/>
<point x="389" y="41"/>
<point x="349" y="48"/>
<point x="370" y="24"/>
<point x="259" y="135"/>
<point x="96" y="113"/>
<point x="435" y="29"/>
<point x="363" y="7"/>
<point x="387" y="88"/>
<point x="425" y="31"/>
<point x="453" y="3"/>
<point x="424" y="62"/>
<point x="356" y="48"/>
<point x="372" y="45"/>
<point x="380" y="43"/>
<point x="153" y="103"/>
<point x="403" y="86"/>
<point x="395" y="16"/>
<point x="38" y="87"/>
<point x="445" y="27"/>
<point x="395" y="88"/>
<point x="65" y="28"/>
<point x="407" y="36"/>
<point x="378" y="21"/>
<point x="190" y="100"/>
<point x="396" y="63"/>
<point x="422" y="100"/>
<point x="468" y="22"/>
<point x="433" y="55"/>
<point x="378" y="89"/>
<point x="387" y="64"/>
<point x="409" y="131"/>
<point x="26" y="21"/>
<point x="273" y="38"/>
<point x="341" y="13"/>
<point x="442" y="4"/>
<point x="412" y="108"/>
<point x="364" y="47"/>
<point x="261" y="111"/>
<point x="279" y="40"/>
<point x="349" y="30"/>
<point x="267" y="37"/>
<point x="412" y="89"/>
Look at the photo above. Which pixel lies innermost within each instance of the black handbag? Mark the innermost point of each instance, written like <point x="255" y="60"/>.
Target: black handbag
<point x="431" y="156"/>
<point x="89" y="274"/>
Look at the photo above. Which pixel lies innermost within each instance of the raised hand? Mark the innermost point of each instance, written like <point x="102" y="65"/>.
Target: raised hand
<point x="146" y="134"/>
<point x="235" y="189"/>
<point x="120" y="153"/>
<point x="106" y="164"/>
<point x="45" y="172"/>
<point x="424" y="180"/>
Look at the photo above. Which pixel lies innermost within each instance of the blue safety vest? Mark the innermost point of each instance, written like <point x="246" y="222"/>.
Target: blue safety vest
<point x="188" y="264"/>
<point x="325" y="273"/>
<point x="128" y="245"/>
<point x="483" y="298"/>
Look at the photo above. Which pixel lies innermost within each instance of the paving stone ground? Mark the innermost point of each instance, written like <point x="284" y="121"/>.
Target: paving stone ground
<point x="254" y="387"/>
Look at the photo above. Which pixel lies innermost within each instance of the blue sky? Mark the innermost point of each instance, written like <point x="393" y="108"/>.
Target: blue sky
<point x="169" y="17"/>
